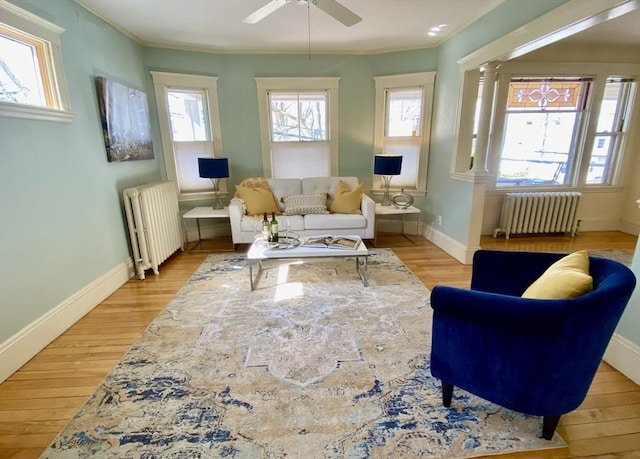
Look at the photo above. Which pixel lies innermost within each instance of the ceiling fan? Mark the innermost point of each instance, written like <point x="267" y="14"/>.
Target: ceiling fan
<point x="331" y="7"/>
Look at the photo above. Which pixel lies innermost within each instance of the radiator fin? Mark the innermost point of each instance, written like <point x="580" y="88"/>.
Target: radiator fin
<point x="153" y="219"/>
<point x="542" y="212"/>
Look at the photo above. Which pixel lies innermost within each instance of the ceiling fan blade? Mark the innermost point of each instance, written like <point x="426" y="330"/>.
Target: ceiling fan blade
<point x="338" y="12"/>
<point x="266" y="10"/>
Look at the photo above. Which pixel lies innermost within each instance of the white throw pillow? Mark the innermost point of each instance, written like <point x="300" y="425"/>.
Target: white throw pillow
<point x="303" y="204"/>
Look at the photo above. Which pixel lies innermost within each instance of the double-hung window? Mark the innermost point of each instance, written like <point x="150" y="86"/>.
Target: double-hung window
<point x="189" y="128"/>
<point x="32" y="83"/>
<point x="560" y="130"/>
<point x="542" y="125"/>
<point x="609" y="136"/>
<point x="402" y="125"/>
<point x="298" y="126"/>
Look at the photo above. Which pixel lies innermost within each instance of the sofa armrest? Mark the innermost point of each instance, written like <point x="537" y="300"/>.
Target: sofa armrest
<point x="368" y="208"/>
<point x="236" y="211"/>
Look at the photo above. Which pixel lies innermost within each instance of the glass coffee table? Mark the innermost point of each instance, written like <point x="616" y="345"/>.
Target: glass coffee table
<point x="259" y="252"/>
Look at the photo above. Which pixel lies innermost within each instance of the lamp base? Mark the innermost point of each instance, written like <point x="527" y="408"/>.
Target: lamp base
<point x="386" y="199"/>
<point x="217" y="203"/>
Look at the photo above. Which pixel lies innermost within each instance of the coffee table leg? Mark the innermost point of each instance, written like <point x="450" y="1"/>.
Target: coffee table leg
<point x="362" y="271"/>
<point x="254" y="280"/>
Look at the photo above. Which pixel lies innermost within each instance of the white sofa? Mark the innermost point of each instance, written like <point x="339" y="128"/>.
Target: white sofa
<point x="244" y="228"/>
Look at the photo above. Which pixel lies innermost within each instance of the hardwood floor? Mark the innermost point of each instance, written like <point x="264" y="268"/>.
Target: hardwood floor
<point x="39" y="399"/>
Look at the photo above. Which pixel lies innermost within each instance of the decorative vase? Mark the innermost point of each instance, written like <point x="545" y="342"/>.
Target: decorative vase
<point x="402" y="200"/>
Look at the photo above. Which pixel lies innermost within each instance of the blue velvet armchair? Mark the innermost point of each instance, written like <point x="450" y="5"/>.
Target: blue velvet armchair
<point x="533" y="356"/>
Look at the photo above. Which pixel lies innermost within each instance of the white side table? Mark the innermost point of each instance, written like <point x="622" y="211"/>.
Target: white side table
<point x="205" y="212"/>
<point x="392" y="210"/>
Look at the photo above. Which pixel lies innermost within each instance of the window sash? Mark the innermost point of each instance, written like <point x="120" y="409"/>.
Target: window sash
<point x="286" y="123"/>
<point x="44" y="38"/>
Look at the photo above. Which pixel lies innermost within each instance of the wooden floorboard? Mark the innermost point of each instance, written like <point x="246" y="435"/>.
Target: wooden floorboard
<point x="41" y="397"/>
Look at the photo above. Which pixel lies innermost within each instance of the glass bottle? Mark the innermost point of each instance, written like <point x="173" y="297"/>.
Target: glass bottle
<point x="266" y="228"/>
<point x="274" y="227"/>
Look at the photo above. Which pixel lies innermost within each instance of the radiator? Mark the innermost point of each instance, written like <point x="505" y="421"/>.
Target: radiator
<point x="153" y="219"/>
<point x="532" y="213"/>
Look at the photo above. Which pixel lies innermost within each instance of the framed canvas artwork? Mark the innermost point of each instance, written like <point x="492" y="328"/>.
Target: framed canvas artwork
<point x="124" y="113"/>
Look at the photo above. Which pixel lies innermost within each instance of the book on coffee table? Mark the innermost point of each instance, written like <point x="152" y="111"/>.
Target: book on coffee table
<point x="332" y="242"/>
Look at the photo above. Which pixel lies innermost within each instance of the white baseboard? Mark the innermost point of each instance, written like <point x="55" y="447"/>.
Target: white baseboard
<point x="624" y="356"/>
<point x="21" y="347"/>
<point x="629" y="227"/>
<point x="456" y="249"/>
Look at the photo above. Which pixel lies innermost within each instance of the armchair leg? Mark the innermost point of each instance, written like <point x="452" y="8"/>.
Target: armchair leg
<point x="447" y="393"/>
<point x="549" y="424"/>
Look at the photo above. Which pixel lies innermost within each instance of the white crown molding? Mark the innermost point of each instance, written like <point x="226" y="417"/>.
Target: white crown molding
<point x="21" y="347"/>
<point x="112" y="24"/>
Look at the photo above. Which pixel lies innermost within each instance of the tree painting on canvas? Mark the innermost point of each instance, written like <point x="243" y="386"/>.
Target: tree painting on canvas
<point x="124" y="113"/>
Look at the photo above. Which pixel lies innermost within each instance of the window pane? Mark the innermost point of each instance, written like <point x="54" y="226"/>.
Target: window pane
<point x="187" y="115"/>
<point x="548" y="95"/>
<point x="298" y="117"/>
<point x="536" y="148"/>
<point x="296" y="160"/>
<point x="20" y="79"/>
<point x="600" y="160"/>
<point x="404" y="109"/>
<point x="186" y="156"/>
<point x="409" y="149"/>
<point x="609" y="109"/>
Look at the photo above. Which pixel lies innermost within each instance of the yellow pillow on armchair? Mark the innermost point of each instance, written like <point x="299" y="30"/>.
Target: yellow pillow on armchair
<point x="566" y="278"/>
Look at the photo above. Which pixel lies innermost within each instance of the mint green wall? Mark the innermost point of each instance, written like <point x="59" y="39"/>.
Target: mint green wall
<point x="239" y="105"/>
<point x="447" y="197"/>
<point x="61" y="225"/>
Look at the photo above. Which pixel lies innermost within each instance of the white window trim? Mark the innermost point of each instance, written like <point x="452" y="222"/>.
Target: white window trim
<point x="166" y="80"/>
<point x="264" y="85"/>
<point x="29" y="23"/>
<point x="426" y="80"/>
<point x="599" y="72"/>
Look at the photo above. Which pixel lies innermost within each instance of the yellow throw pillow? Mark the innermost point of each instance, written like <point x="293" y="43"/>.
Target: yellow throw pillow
<point x="566" y="278"/>
<point x="347" y="201"/>
<point x="258" y="200"/>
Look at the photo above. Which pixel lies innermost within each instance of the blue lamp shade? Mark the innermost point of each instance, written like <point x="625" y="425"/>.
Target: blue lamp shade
<point x="213" y="167"/>
<point x="387" y="165"/>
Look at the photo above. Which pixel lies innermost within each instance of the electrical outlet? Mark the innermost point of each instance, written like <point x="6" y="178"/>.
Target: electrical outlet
<point x="439" y="220"/>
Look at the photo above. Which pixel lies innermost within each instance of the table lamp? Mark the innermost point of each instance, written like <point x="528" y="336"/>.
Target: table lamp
<point x="387" y="167"/>
<point x="214" y="169"/>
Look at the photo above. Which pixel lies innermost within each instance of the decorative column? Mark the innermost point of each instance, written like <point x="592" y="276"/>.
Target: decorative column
<point x="484" y="123"/>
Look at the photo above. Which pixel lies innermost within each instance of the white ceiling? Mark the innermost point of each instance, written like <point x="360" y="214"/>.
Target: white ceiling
<point x="387" y="25"/>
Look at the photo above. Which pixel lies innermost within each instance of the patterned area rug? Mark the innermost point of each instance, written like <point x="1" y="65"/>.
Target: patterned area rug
<point x="310" y="365"/>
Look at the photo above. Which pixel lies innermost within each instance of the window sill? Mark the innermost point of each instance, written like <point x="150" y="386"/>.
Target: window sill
<point x="10" y="110"/>
<point x="200" y="196"/>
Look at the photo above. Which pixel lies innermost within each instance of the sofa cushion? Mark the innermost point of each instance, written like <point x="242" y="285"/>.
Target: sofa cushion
<point x="283" y="187"/>
<point x="258" y="200"/>
<point x="303" y="204"/>
<point x="334" y="221"/>
<point x="347" y="200"/>
<point x="566" y="278"/>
